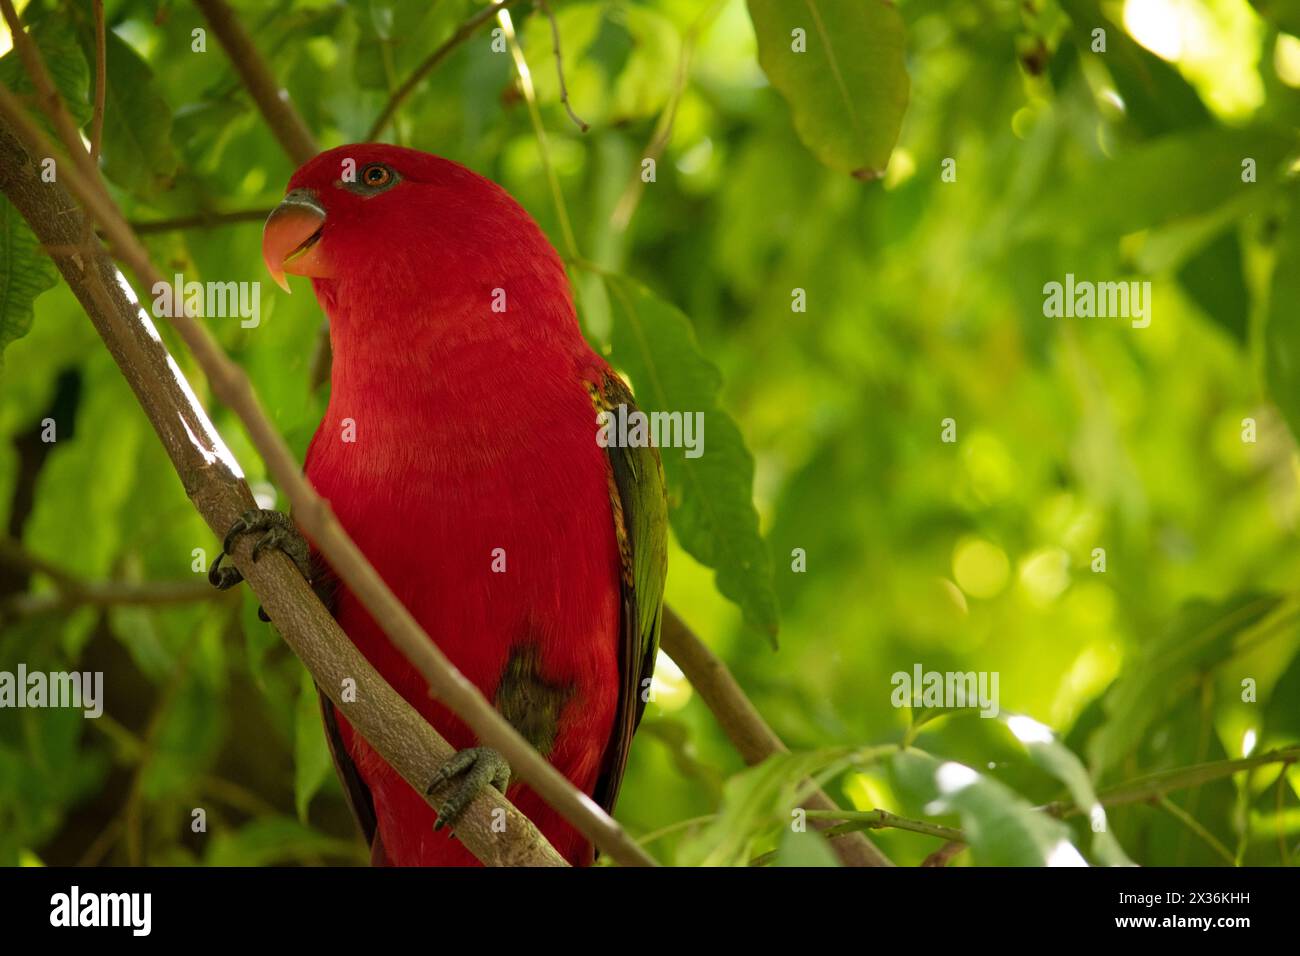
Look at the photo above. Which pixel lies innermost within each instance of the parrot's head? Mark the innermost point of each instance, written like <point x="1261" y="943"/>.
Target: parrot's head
<point x="373" y="222"/>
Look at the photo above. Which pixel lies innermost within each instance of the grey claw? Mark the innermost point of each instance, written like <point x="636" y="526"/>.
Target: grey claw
<point x="479" y="767"/>
<point x="279" y="534"/>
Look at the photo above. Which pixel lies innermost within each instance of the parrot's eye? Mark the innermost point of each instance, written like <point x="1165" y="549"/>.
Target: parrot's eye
<point x="373" y="179"/>
<point x="376" y="175"/>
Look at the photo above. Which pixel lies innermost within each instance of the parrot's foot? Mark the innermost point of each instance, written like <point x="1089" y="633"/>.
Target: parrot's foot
<point x="277" y="531"/>
<point x="477" y="767"/>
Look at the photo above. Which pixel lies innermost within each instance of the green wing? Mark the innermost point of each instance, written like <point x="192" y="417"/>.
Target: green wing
<point x="636" y="495"/>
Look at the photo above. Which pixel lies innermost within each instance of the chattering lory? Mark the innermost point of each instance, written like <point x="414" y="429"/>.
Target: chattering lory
<point x="460" y="451"/>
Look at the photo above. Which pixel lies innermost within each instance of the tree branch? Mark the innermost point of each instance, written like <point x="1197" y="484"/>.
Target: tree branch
<point x="271" y="98"/>
<point x="107" y="594"/>
<point x="746" y="728"/>
<point x="215" y="485"/>
<point x="198" y="220"/>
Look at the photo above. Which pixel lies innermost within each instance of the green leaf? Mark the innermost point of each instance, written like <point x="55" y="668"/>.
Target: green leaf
<point x="755" y="801"/>
<point x="1201" y="636"/>
<point x="848" y="88"/>
<point x="1002" y="828"/>
<point x="805" y="848"/>
<point x="137" y="151"/>
<point x="311" y="755"/>
<point x="1281" y="325"/>
<point x="66" y="63"/>
<point x="1053" y="756"/>
<point x="25" y="272"/>
<point x="710" y="497"/>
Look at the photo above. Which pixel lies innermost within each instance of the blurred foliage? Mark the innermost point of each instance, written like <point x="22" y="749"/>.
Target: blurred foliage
<point x="1171" y="448"/>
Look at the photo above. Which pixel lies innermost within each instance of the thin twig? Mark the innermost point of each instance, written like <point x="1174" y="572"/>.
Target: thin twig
<point x="13" y="554"/>
<point x="108" y="594"/>
<point x="559" y="66"/>
<point x="461" y="34"/>
<point x="884" y="820"/>
<point x="198" y="220"/>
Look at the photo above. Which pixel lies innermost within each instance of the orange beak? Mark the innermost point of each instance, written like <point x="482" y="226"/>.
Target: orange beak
<point x="291" y="238"/>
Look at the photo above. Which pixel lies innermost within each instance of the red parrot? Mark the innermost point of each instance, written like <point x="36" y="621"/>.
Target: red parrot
<point x="459" y="450"/>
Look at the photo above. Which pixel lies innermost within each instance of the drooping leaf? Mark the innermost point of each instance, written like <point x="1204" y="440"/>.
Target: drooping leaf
<point x="848" y="86"/>
<point x="25" y="272"/>
<point x="710" y="496"/>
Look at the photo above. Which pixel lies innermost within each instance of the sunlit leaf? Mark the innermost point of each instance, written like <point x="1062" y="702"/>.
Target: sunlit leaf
<point x="847" y="87"/>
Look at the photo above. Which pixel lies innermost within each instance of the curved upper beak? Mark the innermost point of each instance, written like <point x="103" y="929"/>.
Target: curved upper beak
<point x="291" y="235"/>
